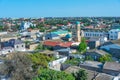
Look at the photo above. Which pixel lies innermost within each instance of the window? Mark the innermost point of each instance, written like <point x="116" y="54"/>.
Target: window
<point x="48" y="38"/>
<point x="111" y="36"/>
<point x="17" y="47"/>
<point x="22" y="45"/>
<point x="9" y="51"/>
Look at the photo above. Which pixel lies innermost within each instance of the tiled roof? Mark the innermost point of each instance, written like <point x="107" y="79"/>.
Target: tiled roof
<point x="53" y="43"/>
<point x="65" y="44"/>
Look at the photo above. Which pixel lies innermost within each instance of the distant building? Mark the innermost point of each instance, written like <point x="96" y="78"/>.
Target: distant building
<point x="114" y="34"/>
<point x="94" y="33"/>
<point x="61" y="33"/>
<point x="68" y="37"/>
<point x="93" y="43"/>
<point x="51" y="36"/>
<point x="26" y="25"/>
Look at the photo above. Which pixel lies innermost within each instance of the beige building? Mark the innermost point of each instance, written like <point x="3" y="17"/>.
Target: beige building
<point x="33" y="46"/>
<point x="7" y="37"/>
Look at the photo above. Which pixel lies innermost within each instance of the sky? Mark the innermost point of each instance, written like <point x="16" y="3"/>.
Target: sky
<point x="59" y="8"/>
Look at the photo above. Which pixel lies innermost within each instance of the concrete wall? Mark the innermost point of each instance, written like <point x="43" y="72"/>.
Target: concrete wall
<point x="7" y="38"/>
<point x="20" y="47"/>
<point x="6" y="51"/>
<point x="33" y="46"/>
<point x="59" y="61"/>
<point x="111" y="72"/>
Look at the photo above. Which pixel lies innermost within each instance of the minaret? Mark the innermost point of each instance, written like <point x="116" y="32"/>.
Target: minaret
<point x="0" y="44"/>
<point x="78" y="32"/>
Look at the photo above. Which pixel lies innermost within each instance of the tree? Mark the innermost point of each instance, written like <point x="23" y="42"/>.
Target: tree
<point x="40" y="60"/>
<point x="18" y="67"/>
<point x="106" y="57"/>
<point x="1" y="28"/>
<point x="82" y="46"/>
<point x="47" y="74"/>
<point x="40" y="47"/>
<point x="89" y="58"/>
<point x="80" y="75"/>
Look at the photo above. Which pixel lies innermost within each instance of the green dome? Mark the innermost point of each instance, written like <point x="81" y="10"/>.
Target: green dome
<point x="77" y="22"/>
<point x="68" y="36"/>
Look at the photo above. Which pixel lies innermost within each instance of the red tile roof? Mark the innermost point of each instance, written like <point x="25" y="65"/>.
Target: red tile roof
<point x="54" y="43"/>
<point x="51" y="43"/>
<point x="65" y="44"/>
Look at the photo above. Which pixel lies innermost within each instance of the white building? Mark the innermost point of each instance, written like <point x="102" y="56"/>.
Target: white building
<point x="26" y="25"/>
<point x="89" y="33"/>
<point x="114" y="34"/>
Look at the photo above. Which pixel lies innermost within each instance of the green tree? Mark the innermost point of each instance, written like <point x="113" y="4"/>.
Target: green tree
<point x="82" y="46"/>
<point x="18" y="66"/>
<point x="89" y="58"/>
<point x="106" y="57"/>
<point x="39" y="47"/>
<point x="40" y="60"/>
<point x="47" y="74"/>
<point x="80" y="75"/>
<point x="1" y="28"/>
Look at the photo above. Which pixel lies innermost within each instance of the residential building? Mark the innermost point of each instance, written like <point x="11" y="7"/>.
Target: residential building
<point x="93" y="43"/>
<point x="94" y="33"/>
<point x="51" y="36"/>
<point x="26" y="25"/>
<point x="103" y="76"/>
<point x="73" y="69"/>
<point x="114" y="34"/>
<point x="95" y="54"/>
<point x="113" y="48"/>
<point x="6" y="50"/>
<point x="91" y="65"/>
<point x="111" y="68"/>
<point x="11" y="46"/>
<point x="64" y="52"/>
<point x="61" y="33"/>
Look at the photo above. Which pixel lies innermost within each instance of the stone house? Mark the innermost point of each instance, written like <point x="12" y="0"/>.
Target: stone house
<point x="111" y="68"/>
<point x="92" y="65"/>
<point x="11" y="46"/>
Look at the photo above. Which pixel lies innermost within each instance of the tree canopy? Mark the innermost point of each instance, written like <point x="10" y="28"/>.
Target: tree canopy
<point x="80" y="75"/>
<point x="40" y="60"/>
<point x="47" y="74"/>
<point x="106" y="57"/>
<point x="82" y="46"/>
<point x="18" y="67"/>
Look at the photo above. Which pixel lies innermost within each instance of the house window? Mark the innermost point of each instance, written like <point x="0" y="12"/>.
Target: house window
<point x="22" y="45"/>
<point x="48" y="38"/>
<point x="9" y="51"/>
<point x="17" y="47"/>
